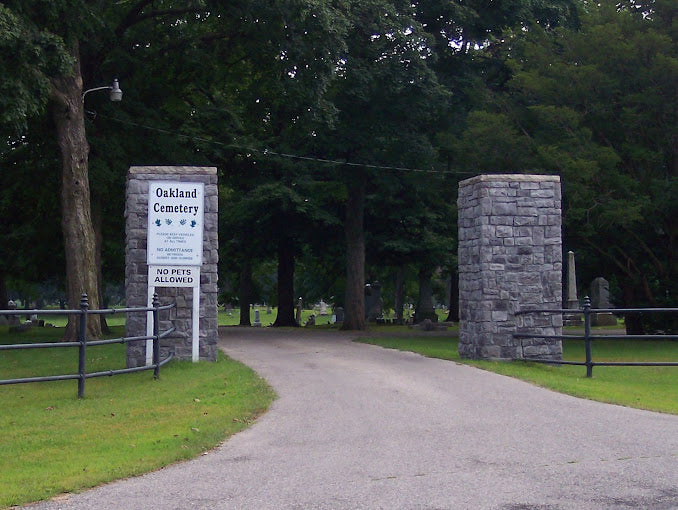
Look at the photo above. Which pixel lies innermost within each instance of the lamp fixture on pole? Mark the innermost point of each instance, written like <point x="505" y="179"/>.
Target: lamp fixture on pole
<point x="115" y="93"/>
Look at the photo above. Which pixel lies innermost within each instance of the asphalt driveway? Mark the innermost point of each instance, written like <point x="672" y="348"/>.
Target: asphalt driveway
<point x="358" y="426"/>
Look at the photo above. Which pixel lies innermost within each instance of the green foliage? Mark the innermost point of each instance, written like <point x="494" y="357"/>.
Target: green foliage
<point x="426" y="85"/>
<point x="598" y="107"/>
<point x="30" y="55"/>
<point x="29" y="207"/>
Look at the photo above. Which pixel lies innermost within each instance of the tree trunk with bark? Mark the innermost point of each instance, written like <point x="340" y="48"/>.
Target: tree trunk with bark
<point x="245" y="293"/>
<point x="99" y="237"/>
<point x="425" y="308"/>
<point x="76" y="220"/>
<point x="354" y="318"/>
<point x="3" y="291"/>
<point x="633" y="321"/>
<point x="453" y="315"/>
<point x="399" y="291"/>
<point x="285" y="315"/>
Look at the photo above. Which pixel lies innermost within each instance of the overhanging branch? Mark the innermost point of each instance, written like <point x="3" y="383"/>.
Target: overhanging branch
<point x="136" y="15"/>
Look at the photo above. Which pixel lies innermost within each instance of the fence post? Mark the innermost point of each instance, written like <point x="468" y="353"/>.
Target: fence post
<point x="156" y="342"/>
<point x="82" y="350"/>
<point x="587" y="336"/>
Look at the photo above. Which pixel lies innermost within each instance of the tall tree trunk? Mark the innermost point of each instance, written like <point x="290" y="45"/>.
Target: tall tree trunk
<point x="425" y="308"/>
<point x="285" y="315"/>
<point x="399" y="291"/>
<point x="633" y="321"/>
<point x="3" y="291"/>
<point x="355" y="255"/>
<point x="99" y="237"/>
<point x="453" y="315"/>
<point x="245" y="293"/>
<point x="76" y="217"/>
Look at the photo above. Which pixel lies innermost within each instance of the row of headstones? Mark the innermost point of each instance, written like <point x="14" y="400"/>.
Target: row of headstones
<point x="600" y="299"/>
<point x="600" y="288"/>
<point x="14" y="321"/>
<point x="337" y="316"/>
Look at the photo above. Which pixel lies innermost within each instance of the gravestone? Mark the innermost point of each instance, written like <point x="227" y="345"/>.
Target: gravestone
<point x="572" y="319"/>
<point x="184" y="223"/>
<point x="427" y="325"/>
<point x="20" y="327"/>
<point x="510" y="258"/>
<point x="257" y="319"/>
<point x="572" y="301"/>
<point x="323" y="308"/>
<point x="339" y="312"/>
<point x="12" y="320"/>
<point x="600" y="299"/>
<point x="373" y="302"/>
<point x="15" y="324"/>
<point x="300" y="307"/>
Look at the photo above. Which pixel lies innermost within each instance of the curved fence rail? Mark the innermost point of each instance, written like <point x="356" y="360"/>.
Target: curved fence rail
<point x="83" y="343"/>
<point x="588" y="338"/>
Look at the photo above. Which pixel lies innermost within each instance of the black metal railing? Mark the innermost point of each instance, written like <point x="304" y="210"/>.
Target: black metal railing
<point x="588" y="338"/>
<point x="83" y="343"/>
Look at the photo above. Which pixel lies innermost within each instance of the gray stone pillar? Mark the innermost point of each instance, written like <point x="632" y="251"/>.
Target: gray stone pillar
<point x="510" y="257"/>
<point x="136" y="268"/>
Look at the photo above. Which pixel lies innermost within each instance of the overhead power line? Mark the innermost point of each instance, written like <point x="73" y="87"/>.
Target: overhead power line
<point x="269" y="152"/>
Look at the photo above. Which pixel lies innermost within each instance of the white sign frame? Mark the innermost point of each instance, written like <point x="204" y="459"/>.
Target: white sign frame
<point x="195" y="316"/>
<point x="176" y="214"/>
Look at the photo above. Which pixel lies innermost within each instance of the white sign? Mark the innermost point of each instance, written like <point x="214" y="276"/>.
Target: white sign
<point x="175" y="223"/>
<point x="185" y="273"/>
<point x="173" y="276"/>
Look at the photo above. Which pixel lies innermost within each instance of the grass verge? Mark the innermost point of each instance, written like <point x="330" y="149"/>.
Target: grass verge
<point x="651" y="388"/>
<point x="126" y="425"/>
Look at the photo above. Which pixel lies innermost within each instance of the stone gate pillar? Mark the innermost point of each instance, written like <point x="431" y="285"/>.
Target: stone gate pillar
<point x="136" y="268"/>
<point x="510" y="257"/>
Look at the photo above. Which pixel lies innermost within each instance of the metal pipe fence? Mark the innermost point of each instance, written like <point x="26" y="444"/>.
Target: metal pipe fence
<point x="588" y="338"/>
<point x="82" y="343"/>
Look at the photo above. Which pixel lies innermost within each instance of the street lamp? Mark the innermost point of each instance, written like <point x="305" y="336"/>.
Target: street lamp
<point x="115" y="93"/>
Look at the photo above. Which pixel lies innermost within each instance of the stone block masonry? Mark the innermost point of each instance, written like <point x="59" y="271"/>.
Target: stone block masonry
<point x="510" y="258"/>
<point x="136" y="268"/>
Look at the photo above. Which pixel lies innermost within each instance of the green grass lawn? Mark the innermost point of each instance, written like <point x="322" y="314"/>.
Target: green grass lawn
<point x="226" y="317"/>
<point x="59" y="321"/>
<point x="652" y="388"/>
<point x="232" y="317"/>
<point x="53" y="442"/>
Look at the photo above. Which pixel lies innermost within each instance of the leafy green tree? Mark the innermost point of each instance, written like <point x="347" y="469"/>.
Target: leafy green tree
<point x="269" y="99"/>
<point x="277" y="218"/>
<point x="30" y="55"/>
<point x="412" y="225"/>
<point x="67" y="46"/>
<point x="29" y="208"/>
<point x="598" y="106"/>
<point x="77" y="35"/>
<point x="386" y="96"/>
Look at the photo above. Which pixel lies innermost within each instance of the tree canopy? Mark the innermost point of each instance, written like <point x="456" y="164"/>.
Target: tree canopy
<point x="331" y="115"/>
